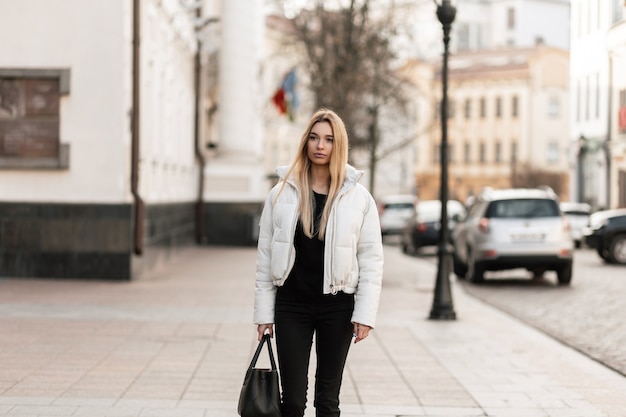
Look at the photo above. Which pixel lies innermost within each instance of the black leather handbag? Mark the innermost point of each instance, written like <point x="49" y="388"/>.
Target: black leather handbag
<point x="260" y="393"/>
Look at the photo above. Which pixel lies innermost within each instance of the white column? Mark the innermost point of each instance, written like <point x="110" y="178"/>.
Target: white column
<point x="239" y="76"/>
<point x="236" y="173"/>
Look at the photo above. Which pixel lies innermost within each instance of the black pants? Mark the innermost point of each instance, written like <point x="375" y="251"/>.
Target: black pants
<point x="296" y="323"/>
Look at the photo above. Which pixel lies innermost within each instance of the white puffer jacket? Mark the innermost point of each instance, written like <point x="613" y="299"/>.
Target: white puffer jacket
<point x="353" y="253"/>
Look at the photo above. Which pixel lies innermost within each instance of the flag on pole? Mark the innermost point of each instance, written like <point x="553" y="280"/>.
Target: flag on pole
<point x="285" y="98"/>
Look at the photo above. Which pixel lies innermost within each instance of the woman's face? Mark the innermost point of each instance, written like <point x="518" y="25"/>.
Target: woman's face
<point x="320" y="144"/>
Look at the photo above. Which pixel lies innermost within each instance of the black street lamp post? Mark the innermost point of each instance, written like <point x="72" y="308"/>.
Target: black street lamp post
<point x="442" y="308"/>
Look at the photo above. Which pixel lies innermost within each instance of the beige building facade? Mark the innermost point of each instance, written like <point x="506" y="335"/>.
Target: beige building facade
<point x="507" y="126"/>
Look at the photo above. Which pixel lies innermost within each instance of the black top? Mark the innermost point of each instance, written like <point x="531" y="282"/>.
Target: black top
<point x="306" y="279"/>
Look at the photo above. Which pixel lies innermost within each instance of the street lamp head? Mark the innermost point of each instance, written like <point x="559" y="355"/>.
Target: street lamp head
<point x="446" y="12"/>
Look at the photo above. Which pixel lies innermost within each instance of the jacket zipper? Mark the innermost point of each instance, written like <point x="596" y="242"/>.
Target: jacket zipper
<point x="333" y="289"/>
<point x="333" y="286"/>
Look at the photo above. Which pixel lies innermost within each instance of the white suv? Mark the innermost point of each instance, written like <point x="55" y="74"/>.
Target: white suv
<point x="513" y="228"/>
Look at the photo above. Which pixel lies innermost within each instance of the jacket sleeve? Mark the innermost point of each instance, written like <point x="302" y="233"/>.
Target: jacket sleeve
<point x="370" y="263"/>
<point x="265" y="291"/>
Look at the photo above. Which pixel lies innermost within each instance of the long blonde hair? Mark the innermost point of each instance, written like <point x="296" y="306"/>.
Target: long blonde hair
<point x="301" y="170"/>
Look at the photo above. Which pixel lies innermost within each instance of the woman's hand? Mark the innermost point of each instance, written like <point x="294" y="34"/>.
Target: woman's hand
<point x="361" y="331"/>
<point x="261" y="328"/>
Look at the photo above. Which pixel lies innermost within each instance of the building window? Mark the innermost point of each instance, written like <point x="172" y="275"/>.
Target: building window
<point x="618" y="6"/>
<point x="514" y="106"/>
<point x="587" y="97"/>
<point x="597" y="106"/>
<point x="588" y="19"/>
<point x="468" y="108"/>
<point x="30" y="118"/>
<point x="581" y="14"/>
<point x="482" y="153"/>
<point x="463" y="36"/>
<point x="554" y="107"/>
<point x="467" y="157"/>
<point x="514" y="153"/>
<point x="498" y="107"/>
<point x="480" y="37"/>
<point x="579" y="93"/>
<point x="510" y="18"/>
<point x="498" y="152"/>
<point x="553" y="153"/>
<point x="483" y="107"/>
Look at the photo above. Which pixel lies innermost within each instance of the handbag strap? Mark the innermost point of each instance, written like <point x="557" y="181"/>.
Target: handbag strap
<point x="264" y="339"/>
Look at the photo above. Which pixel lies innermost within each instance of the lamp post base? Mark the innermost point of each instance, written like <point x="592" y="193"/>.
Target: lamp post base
<point x="447" y="314"/>
<point x="443" y="308"/>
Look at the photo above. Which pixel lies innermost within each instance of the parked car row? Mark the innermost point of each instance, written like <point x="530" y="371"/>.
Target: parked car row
<point x="509" y="229"/>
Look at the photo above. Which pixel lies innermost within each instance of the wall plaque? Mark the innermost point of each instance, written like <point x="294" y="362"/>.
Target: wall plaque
<point x="29" y="117"/>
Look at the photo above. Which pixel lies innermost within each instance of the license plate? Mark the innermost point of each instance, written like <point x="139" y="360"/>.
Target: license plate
<point x="527" y="237"/>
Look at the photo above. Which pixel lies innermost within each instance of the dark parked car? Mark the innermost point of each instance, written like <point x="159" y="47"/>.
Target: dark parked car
<point x="607" y="235"/>
<point x="422" y="229"/>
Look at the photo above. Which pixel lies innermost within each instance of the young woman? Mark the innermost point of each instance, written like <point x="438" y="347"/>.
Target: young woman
<point x="319" y="265"/>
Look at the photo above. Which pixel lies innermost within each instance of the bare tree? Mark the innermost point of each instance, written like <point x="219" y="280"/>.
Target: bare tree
<point x="349" y="62"/>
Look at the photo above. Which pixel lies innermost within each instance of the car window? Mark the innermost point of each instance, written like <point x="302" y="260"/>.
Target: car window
<point x="617" y="220"/>
<point x="576" y="213"/>
<point x="522" y="208"/>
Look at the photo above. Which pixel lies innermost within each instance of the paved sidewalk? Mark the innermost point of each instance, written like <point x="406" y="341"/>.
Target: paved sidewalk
<point x="177" y="344"/>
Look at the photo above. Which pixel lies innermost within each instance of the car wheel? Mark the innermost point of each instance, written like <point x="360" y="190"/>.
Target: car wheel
<point x="475" y="271"/>
<point x="564" y="273"/>
<point x="578" y="244"/>
<point x="617" y="249"/>
<point x="460" y="269"/>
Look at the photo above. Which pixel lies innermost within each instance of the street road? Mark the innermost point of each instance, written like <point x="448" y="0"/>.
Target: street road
<point x="588" y="315"/>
